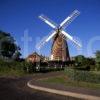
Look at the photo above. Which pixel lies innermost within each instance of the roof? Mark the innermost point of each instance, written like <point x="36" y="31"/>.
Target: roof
<point x="33" y="54"/>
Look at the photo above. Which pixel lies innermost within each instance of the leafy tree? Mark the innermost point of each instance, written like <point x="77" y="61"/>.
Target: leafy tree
<point x="8" y="46"/>
<point x="17" y="55"/>
<point x="84" y="63"/>
<point x="79" y="59"/>
<point x="97" y="54"/>
<point x="89" y="61"/>
<point x="97" y="59"/>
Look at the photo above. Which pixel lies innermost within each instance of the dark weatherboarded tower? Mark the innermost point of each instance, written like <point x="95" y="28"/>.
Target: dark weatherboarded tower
<point x="59" y="50"/>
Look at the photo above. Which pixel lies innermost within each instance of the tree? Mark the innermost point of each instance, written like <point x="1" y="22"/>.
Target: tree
<point x="17" y="54"/>
<point x="79" y="59"/>
<point x="84" y="63"/>
<point x="8" y="46"/>
<point x="97" y="59"/>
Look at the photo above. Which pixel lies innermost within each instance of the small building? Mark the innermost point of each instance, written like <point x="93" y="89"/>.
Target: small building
<point x="35" y="57"/>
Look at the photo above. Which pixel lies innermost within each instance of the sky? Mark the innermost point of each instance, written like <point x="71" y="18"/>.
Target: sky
<point x="20" y="18"/>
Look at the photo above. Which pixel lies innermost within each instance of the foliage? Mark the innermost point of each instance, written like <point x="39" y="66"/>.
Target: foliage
<point x="63" y="80"/>
<point x="23" y="67"/>
<point x="15" y="68"/>
<point x="97" y="54"/>
<point x="8" y="46"/>
<point x="11" y="68"/>
<point x="84" y="63"/>
<point x="80" y="58"/>
<point x="97" y="60"/>
<point x="86" y="76"/>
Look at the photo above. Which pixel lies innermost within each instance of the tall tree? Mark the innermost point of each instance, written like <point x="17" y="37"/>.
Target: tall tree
<point x="8" y="46"/>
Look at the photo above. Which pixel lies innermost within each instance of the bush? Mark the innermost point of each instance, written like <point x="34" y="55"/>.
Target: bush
<point x="15" y="68"/>
<point x="78" y="75"/>
<point x="11" y="68"/>
<point x="83" y="63"/>
<point x="20" y="68"/>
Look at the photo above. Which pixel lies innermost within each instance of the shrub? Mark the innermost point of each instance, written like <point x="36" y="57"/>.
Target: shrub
<point x="16" y="67"/>
<point x="79" y="75"/>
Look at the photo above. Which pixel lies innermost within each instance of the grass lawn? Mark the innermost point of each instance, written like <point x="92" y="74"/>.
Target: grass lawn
<point x="65" y="81"/>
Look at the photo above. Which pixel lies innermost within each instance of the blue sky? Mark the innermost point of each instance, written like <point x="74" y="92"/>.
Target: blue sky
<point x="16" y="16"/>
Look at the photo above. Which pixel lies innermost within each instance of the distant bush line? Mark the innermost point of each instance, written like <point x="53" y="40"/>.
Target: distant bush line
<point x="23" y="67"/>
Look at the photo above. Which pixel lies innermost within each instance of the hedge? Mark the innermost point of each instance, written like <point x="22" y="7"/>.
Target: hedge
<point x="86" y="76"/>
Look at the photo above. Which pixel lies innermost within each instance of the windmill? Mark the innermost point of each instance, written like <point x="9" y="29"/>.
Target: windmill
<point x="59" y="50"/>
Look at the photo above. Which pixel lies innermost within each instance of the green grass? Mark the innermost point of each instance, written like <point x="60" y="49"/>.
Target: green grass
<point x="64" y="81"/>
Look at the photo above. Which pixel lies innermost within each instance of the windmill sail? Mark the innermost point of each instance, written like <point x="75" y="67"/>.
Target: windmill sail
<point x="69" y="19"/>
<point x="71" y="38"/>
<point x="48" y="21"/>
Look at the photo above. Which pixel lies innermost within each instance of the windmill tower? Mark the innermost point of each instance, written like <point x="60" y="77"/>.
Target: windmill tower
<point x="59" y="50"/>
